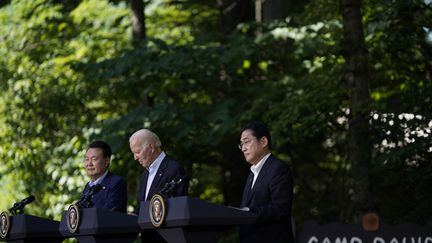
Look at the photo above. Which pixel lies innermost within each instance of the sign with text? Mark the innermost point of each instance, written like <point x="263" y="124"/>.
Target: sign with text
<point x="345" y="233"/>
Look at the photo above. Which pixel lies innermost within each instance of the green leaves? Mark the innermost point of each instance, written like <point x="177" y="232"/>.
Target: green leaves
<point x="69" y="74"/>
<point x="44" y="99"/>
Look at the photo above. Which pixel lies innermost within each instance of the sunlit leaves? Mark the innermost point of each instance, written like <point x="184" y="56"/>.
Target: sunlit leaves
<point x="69" y="75"/>
<point x="45" y="102"/>
<point x="178" y="22"/>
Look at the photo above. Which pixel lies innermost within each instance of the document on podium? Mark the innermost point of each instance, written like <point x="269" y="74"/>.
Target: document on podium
<point x="246" y="209"/>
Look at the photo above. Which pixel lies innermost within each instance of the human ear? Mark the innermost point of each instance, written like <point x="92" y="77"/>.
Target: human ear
<point x="263" y="141"/>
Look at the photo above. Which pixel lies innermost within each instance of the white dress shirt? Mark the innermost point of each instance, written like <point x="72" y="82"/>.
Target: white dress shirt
<point x="98" y="180"/>
<point x="153" y="168"/>
<point x="256" y="168"/>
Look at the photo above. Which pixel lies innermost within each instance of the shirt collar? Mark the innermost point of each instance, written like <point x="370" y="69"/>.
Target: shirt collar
<point x="98" y="180"/>
<point x="155" y="165"/>
<point x="256" y="168"/>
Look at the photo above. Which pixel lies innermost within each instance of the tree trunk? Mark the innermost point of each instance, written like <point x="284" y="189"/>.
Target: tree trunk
<point x="233" y="12"/>
<point x="357" y="76"/>
<point x="266" y="10"/>
<point x="138" y="20"/>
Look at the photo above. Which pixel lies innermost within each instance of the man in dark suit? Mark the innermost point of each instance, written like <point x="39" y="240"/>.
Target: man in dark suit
<point x="113" y="192"/>
<point x="159" y="170"/>
<point x="268" y="191"/>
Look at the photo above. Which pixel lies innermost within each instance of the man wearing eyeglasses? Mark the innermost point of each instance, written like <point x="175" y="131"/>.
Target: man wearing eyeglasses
<point x="268" y="191"/>
<point x="113" y="192"/>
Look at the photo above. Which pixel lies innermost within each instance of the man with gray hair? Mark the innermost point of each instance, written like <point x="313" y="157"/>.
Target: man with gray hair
<point x="159" y="168"/>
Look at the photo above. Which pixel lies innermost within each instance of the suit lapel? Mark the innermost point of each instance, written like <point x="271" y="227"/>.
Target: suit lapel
<point x="143" y="186"/>
<point x="261" y="175"/>
<point x="106" y="180"/>
<point x="247" y="190"/>
<point x="101" y="194"/>
<point x="157" y="179"/>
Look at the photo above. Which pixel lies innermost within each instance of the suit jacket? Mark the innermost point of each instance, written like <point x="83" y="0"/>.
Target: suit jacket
<point x="113" y="195"/>
<point x="271" y="199"/>
<point x="168" y="170"/>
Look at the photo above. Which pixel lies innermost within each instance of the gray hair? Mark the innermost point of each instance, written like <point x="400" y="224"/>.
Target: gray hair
<point x="146" y="136"/>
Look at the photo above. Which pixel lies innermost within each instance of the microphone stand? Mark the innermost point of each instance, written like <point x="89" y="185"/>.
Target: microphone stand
<point x="169" y="187"/>
<point x="86" y="199"/>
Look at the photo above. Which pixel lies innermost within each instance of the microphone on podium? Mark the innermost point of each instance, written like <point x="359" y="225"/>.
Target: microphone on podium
<point x="169" y="187"/>
<point x="85" y="201"/>
<point x="18" y="208"/>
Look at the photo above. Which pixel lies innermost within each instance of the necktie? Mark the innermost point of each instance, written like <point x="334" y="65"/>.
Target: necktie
<point x="247" y="190"/>
<point x="144" y="185"/>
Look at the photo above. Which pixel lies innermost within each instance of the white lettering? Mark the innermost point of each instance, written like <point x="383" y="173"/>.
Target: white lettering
<point x="313" y="239"/>
<point x="394" y="240"/>
<point x="338" y="240"/>
<point x="355" y="240"/>
<point x="378" y="240"/>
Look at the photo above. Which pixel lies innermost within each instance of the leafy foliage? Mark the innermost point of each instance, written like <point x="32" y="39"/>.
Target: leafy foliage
<point x="69" y="74"/>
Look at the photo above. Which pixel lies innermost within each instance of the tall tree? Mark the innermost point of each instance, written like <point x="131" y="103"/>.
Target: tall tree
<point x="357" y="77"/>
<point x="266" y="10"/>
<point x="138" y="20"/>
<point x="71" y="76"/>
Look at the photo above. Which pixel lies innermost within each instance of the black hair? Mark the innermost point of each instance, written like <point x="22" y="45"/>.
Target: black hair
<point x="106" y="149"/>
<point x="259" y="130"/>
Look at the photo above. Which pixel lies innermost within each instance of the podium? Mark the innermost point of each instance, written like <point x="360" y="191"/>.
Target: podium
<point x="29" y="229"/>
<point x="191" y="220"/>
<point x="102" y="226"/>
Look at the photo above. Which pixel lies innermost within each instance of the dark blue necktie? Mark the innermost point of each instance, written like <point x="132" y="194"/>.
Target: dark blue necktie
<point x="247" y="190"/>
<point x="144" y="185"/>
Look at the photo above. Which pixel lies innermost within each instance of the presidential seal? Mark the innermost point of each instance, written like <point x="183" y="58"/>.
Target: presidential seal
<point x="157" y="210"/>
<point x="73" y="218"/>
<point x="4" y="225"/>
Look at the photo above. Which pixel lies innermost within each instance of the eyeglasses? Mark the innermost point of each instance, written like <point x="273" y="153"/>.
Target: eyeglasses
<point x="241" y="145"/>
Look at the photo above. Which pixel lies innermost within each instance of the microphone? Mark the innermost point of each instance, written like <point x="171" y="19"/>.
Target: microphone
<point x="169" y="187"/>
<point x="18" y="208"/>
<point x="95" y="189"/>
<point x="166" y="186"/>
<point x="85" y="200"/>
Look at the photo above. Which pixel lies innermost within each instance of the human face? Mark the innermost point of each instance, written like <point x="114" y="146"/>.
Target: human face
<point x="253" y="149"/>
<point x="95" y="164"/>
<point x="143" y="153"/>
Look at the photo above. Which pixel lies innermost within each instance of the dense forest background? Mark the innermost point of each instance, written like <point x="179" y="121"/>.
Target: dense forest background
<point x="345" y="87"/>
